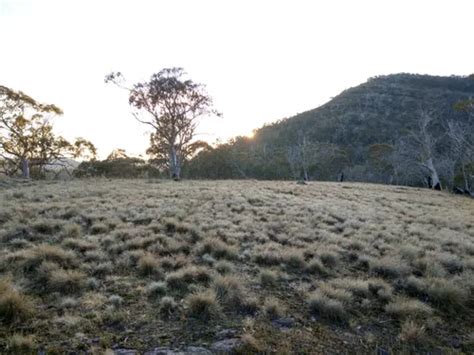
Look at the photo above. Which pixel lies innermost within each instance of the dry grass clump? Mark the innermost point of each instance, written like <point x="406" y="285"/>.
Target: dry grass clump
<point x="203" y="305"/>
<point x="229" y="291"/>
<point x="224" y="267"/>
<point x="167" y="306"/>
<point x="218" y="249"/>
<point x="447" y="295"/>
<point x="28" y="260"/>
<point x="326" y="307"/>
<point x="293" y="259"/>
<point x="21" y="344"/>
<point x="268" y="278"/>
<point x="72" y="230"/>
<point x="315" y="267"/>
<point x="120" y="259"/>
<point x="249" y="345"/>
<point x="148" y="265"/>
<point x="183" y="278"/>
<point x="156" y="289"/>
<point x="62" y="280"/>
<point x="403" y="308"/>
<point x="389" y="267"/>
<point x="412" y="333"/>
<point x="99" y="228"/>
<point x="14" y="306"/>
<point x="273" y="308"/>
<point x="329" y="259"/>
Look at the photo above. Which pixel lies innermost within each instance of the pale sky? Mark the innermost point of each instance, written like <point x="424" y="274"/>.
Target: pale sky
<point x="261" y="60"/>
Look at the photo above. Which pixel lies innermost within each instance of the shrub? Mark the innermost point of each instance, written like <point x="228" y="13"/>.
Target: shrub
<point x="326" y="307"/>
<point x="203" y="304"/>
<point x="14" y="306"/>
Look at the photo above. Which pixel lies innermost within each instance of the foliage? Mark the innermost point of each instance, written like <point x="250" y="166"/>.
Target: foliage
<point x="27" y="140"/>
<point x="363" y="125"/>
<point x="172" y="106"/>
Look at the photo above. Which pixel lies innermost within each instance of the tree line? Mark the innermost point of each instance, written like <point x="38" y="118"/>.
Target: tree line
<point x="401" y="129"/>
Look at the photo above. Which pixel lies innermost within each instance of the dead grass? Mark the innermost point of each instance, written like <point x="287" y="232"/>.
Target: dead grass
<point x="141" y="263"/>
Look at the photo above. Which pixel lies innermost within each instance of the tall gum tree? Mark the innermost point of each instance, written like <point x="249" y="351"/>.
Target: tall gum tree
<point x="172" y="106"/>
<point x="27" y="140"/>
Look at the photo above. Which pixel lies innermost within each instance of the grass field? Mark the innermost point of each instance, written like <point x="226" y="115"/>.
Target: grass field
<point x="96" y="265"/>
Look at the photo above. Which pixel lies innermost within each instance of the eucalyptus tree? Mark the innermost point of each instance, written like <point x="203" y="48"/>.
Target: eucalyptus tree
<point x="172" y="105"/>
<point x="27" y="140"/>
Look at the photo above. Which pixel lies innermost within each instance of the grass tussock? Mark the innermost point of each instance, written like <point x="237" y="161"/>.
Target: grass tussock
<point x="14" y="305"/>
<point x="81" y="260"/>
<point x="203" y="305"/>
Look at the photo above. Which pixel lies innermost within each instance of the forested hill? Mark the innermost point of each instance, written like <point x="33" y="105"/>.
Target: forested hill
<point x="338" y="135"/>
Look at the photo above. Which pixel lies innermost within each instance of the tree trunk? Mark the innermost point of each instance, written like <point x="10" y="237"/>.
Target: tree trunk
<point x="435" y="182"/>
<point x="175" y="168"/>
<point x="25" y="168"/>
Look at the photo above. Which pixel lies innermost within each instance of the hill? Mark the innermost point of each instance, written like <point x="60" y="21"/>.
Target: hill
<point x="380" y="111"/>
<point x="276" y="267"/>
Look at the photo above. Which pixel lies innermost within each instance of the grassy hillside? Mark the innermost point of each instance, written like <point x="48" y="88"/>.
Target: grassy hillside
<point x="275" y="266"/>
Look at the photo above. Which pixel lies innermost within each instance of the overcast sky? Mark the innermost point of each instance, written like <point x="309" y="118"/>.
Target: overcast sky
<point x="261" y="60"/>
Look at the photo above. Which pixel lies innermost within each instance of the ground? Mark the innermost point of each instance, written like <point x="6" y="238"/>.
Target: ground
<point x="98" y="265"/>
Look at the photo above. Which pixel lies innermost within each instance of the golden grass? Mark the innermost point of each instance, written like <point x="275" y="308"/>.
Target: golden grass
<point x="120" y="259"/>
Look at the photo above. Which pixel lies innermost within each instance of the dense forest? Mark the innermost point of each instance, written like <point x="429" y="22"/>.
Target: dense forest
<point x="367" y="133"/>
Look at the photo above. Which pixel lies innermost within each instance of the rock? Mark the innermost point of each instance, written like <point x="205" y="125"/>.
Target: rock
<point x="197" y="350"/>
<point x="163" y="351"/>
<point x="284" y="322"/>
<point x="226" y="333"/>
<point x="125" y="352"/>
<point x="190" y="350"/>
<point x="226" y="346"/>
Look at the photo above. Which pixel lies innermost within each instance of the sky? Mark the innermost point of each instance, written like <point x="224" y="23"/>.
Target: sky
<point x="260" y="60"/>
